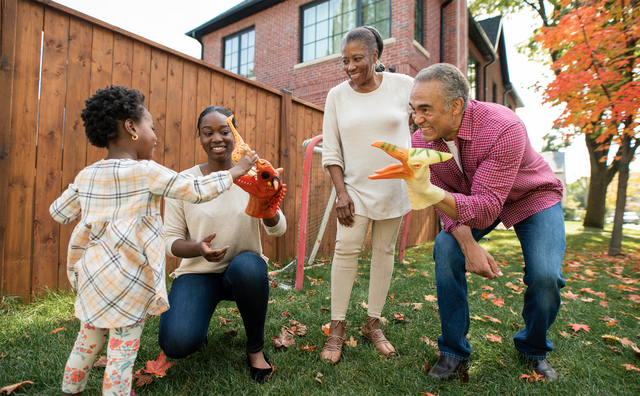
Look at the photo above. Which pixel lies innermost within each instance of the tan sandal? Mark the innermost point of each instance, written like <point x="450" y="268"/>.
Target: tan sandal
<point x="371" y="330"/>
<point x="332" y="349"/>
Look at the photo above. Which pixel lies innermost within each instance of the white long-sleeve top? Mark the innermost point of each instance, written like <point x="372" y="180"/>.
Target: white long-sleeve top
<point x="352" y="121"/>
<point x="225" y="217"/>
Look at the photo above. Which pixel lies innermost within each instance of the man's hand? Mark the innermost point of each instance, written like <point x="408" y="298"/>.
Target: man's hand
<point x="480" y="262"/>
<point x="212" y="255"/>
<point x="477" y="260"/>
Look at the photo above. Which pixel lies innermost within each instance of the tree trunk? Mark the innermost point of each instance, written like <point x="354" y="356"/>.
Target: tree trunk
<point x="601" y="176"/>
<point x="615" y="244"/>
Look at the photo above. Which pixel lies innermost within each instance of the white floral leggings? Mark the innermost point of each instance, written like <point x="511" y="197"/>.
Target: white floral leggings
<point x="124" y="343"/>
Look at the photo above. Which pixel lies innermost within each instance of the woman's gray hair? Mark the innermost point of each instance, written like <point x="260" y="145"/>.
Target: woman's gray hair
<point x="454" y="83"/>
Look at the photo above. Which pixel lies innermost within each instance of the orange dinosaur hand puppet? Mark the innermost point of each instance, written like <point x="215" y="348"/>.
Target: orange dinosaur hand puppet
<point x="263" y="182"/>
<point x="265" y="189"/>
<point x="414" y="169"/>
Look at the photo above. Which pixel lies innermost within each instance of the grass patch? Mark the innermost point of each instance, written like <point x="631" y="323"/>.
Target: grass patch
<point x="586" y="362"/>
<point x="627" y="229"/>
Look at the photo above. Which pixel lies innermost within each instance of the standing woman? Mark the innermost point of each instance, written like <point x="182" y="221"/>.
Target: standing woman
<point x="370" y="106"/>
<point x="222" y="257"/>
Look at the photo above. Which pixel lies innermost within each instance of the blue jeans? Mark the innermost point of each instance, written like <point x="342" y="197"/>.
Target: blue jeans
<point x="542" y="240"/>
<point x="194" y="297"/>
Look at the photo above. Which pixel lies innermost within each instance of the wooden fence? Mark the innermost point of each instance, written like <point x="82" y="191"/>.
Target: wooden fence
<point x="52" y="58"/>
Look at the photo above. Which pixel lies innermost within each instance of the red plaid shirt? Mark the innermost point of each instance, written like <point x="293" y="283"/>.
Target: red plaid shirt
<point x="504" y="177"/>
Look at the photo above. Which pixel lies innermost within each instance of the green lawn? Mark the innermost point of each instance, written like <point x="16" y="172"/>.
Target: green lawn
<point x="587" y="363"/>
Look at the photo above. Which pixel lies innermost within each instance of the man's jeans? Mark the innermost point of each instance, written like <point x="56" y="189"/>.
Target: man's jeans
<point x="193" y="298"/>
<point x="542" y="240"/>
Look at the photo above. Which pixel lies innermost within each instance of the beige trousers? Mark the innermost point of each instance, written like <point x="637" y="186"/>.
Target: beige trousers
<point x="349" y="243"/>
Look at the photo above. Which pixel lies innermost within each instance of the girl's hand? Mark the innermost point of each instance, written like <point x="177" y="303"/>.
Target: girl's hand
<point x="211" y="255"/>
<point x="244" y="164"/>
<point x="345" y="209"/>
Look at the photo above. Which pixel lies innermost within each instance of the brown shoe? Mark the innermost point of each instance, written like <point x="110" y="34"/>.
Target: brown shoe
<point x="333" y="346"/>
<point x="371" y="330"/>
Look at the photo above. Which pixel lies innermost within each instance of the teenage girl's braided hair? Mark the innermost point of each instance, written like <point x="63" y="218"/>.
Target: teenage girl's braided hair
<point x="370" y="38"/>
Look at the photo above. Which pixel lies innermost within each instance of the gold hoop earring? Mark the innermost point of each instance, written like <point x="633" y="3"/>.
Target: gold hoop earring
<point x="134" y="137"/>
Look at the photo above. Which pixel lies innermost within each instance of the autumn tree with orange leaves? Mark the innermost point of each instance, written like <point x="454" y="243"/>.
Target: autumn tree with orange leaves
<point x="602" y="168"/>
<point x="597" y="80"/>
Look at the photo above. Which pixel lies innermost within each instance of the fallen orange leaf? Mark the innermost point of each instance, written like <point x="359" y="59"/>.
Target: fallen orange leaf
<point x="492" y="319"/>
<point x="101" y="362"/>
<point x="430" y="298"/>
<point x="308" y="348"/>
<point x="223" y="321"/>
<point x="532" y="378"/>
<point x="499" y="302"/>
<point x="352" y="342"/>
<point x="570" y="296"/>
<point x="488" y="296"/>
<point x="630" y="367"/>
<point x="58" y="329"/>
<point x="577" y="327"/>
<point x="8" y="389"/>
<point x="398" y="316"/>
<point x="159" y="366"/>
<point x="494" y="338"/>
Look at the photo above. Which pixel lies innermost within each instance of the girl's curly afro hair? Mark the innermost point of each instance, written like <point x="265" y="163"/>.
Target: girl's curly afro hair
<point x="107" y="109"/>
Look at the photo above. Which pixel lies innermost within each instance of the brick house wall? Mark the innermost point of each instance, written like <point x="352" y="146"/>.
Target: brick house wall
<point x="277" y="50"/>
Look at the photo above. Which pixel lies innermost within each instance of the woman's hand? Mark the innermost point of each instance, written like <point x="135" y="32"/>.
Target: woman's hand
<point x="212" y="255"/>
<point x="345" y="209"/>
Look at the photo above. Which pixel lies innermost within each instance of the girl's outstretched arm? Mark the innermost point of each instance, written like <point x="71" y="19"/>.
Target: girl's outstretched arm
<point x="67" y="207"/>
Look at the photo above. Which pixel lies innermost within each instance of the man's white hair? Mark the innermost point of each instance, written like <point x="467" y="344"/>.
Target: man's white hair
<point x="454" y="83"/>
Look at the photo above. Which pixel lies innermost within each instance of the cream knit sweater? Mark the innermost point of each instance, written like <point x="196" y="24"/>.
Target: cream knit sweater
<point x="352" y="121"/>
<point x="225" y="216"/>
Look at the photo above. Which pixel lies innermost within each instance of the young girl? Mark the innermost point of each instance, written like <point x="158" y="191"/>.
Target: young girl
<point x="116" y="261"/>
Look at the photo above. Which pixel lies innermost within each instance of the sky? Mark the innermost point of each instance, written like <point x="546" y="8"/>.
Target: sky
<point x="167" y="21"/>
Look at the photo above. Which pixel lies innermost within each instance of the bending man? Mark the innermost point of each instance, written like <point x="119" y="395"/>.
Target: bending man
<point x="495" y="176"/>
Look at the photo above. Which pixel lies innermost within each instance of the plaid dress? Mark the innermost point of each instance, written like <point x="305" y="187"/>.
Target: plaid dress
<point x="116" y="257"/>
